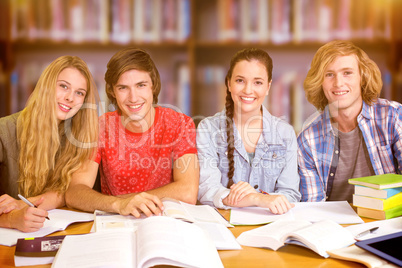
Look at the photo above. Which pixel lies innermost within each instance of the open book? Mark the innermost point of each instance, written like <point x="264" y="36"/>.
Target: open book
<point x="356" y="254"/>
<point x="157" y="241"/>
<point x="203" y="216"/>
<point x="175" y="209"/>
<point x="319" y="237"/>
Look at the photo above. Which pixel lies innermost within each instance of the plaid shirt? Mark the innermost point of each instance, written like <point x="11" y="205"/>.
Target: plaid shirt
<point x="381" y="126"/>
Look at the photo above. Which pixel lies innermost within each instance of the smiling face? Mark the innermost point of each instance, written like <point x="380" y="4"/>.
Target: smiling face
<point x="133" y="93"/>
<point x="342" y="85"/>
<point x="71" y="89"/>
<point x="248" y="86"/>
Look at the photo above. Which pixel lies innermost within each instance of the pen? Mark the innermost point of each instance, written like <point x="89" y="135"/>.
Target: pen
<point x="26" y="201"/>
<point x="369" y="231"/>
<point x="263" y="192"/>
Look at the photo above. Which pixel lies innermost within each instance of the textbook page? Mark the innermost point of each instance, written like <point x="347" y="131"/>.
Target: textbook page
<point x="59" y="220"/>
<point x="338" y="211"/>
<point x="101" y="249"/>
<point x="322" y="236"/>
<point x="192" y="213"/>
<point x="157" y="241"/>
<point x="272" y="235"/>
<point x="164" y="240"/>
<point x="105" y="221"/>
<point x="220" y="235"/>
<point x="356" y="254"/>
<point x="319" y="237"/>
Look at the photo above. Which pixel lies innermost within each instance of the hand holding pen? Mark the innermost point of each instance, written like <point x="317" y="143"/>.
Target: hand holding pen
<point x="26" y="201"/>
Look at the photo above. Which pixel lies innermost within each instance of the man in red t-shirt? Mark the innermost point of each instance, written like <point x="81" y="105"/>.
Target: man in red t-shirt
<point x="145" y="152"/>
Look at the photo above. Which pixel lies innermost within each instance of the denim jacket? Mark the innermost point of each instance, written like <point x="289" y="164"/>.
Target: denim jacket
<point x="273" y="169"/>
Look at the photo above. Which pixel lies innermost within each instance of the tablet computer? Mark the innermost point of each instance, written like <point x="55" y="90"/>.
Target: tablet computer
<point x="388" y="247"/>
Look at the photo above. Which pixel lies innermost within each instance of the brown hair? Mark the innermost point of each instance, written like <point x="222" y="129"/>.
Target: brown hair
<point x="370" y="74"/>
<point x="247" y="54"/>
<point x="131" y="59"/>
<point x="50" y="152"/>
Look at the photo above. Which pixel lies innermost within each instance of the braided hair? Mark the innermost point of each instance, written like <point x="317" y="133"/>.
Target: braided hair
<point x="247" y="54"/>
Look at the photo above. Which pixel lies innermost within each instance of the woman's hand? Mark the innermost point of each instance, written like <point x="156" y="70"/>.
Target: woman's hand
<point x="278" y="204"/>
<point x="7" y="204"/>
<point x="237" y="192"/>
<point x="28" y="219"/>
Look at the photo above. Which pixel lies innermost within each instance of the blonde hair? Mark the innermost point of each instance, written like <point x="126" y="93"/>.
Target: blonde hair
<point x="370" y="74"/>
<point x="50" y="152"/>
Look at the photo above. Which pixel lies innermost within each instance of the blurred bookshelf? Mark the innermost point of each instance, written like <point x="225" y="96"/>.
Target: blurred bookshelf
<point x="192" y="41"/>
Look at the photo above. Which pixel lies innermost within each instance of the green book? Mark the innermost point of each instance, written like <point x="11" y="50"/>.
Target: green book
<point x="384" y="181"/>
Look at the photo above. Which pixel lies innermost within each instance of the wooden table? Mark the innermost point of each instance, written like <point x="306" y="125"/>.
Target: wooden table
<point x="287" y="256"/>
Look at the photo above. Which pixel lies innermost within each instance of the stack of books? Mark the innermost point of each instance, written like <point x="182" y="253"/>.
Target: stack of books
<point x="378" y="197"/>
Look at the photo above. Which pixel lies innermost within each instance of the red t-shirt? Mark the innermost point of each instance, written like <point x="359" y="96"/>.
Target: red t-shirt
<point x="136" y="162"/>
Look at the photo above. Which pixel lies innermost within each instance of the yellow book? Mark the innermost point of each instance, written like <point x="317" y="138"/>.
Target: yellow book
<point x="380" y="214"/>
<point x="377" y="203"/>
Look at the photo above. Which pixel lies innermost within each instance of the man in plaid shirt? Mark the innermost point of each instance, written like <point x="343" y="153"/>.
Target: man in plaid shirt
<point x="355" y="134"/>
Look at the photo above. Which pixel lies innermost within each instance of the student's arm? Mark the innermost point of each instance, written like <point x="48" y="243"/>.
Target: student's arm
<point x="211" y="189"/>
<point x="51" y="200"/>
<point x="277" y="204"/>
<point x="311" y="185"/>
<point x="185" y="181"/>
<point x="288" y="182"/>
<point x="80" y="195"/>
<point x="186" y="174"/>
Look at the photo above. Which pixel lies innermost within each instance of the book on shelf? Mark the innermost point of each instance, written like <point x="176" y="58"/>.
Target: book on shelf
<point x="120" y="21"/>
<point x="377" y="203"/>
<point x="319" y="236"/>
<point x="228" y="24"/>
<point x="157" y="241"/>
<point x="383" y="181"/>
<point x="169" y="13"/>
<point x="380" y="214"/>
<point x="356" y="254"/>
<point x="378" y="193"/>
<point x="183" y="88"/>
<point x="36" y="251"/>
<point x="183" y="20"/>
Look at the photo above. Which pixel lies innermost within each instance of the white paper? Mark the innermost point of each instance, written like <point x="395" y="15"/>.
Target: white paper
<point x="338" y="211"/>
<point x="256" y="216"/>
<point x="59" y="220"/>
<point x="385" y="227"/>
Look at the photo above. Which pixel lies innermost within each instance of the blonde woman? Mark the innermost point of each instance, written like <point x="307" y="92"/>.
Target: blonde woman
<point x="44" y="144"/>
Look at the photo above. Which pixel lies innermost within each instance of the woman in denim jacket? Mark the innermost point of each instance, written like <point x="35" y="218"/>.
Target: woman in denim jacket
<point x="248" y="157"/>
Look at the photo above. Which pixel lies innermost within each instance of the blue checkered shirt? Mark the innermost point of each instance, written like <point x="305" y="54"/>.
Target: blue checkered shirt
<point x="381" y="126"/>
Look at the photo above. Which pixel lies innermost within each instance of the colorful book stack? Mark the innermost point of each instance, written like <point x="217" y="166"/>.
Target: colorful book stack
<point x="378" y="197"/>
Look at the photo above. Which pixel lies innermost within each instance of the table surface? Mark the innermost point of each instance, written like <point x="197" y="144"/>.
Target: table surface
<point x="287" y="256"/>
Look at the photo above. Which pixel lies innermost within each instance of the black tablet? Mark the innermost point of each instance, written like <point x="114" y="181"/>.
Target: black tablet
<point x="388" y="247"/>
